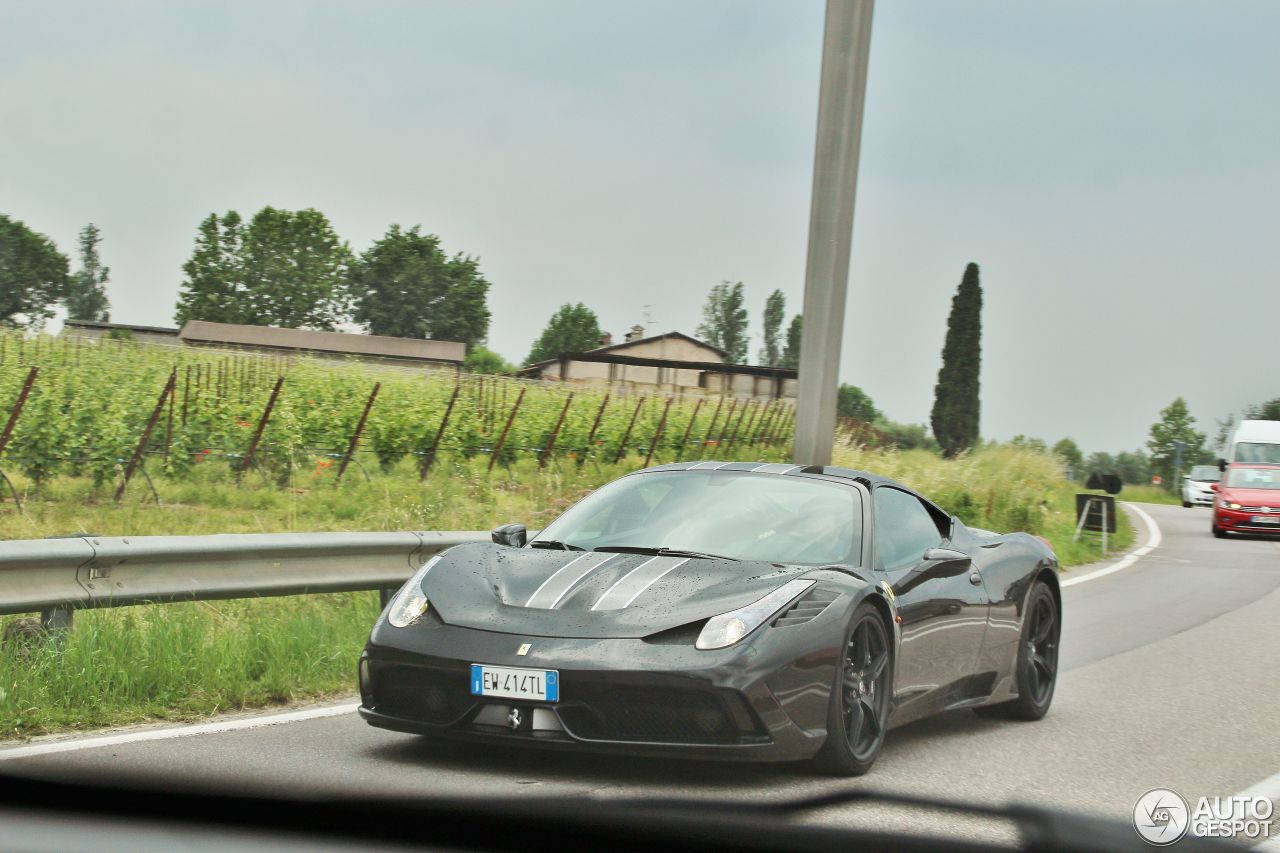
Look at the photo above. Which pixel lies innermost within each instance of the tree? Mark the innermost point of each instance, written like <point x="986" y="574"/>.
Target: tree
<point x="1100" y="463"/>
<point x="483" y="360"/>
<point x="907" y="436"/>
<point x="791" y="351"/>
<point x="1035" y="445"/>
<point x="1268" y="411"/>
<point x="295" y="269"/>
<point x="956" y="403"/>
<point x="33" y="275"/>
<point x="86" y="297"/>
<point x="1070" y="453"/>
<point x="573" y="328"/>
<point x="1175" y="424"/>
<point x="405" y="286"/>
<point x="853" y="402"/>
<point x="775" y="309"/>
<point x="724" y="321"/>
<point x="1135" y="467"/>
<point x="214" y="288"/>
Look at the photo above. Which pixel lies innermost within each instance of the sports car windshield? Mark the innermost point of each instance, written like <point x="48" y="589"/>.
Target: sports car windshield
<point x="733" y="514"/>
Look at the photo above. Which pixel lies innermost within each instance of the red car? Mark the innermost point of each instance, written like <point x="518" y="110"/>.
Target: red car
<point x="1248" y="500"/>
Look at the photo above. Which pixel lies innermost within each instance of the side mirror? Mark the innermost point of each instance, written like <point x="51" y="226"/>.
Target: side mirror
<point x="513" y="535"/>
<point x="945" y="555"/>
<point x="1213" y="486"/>
<point x="1222" y="464"/>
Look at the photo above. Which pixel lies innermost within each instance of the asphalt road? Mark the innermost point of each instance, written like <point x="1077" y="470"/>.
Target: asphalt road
<point x="1170" y="678"/>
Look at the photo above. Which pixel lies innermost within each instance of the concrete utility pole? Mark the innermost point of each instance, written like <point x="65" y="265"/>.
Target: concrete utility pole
<point x="846" y="43"/>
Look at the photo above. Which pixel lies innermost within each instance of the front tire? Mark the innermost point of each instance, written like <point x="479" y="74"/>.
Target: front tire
<point x="858" y="713"/>
<point x="1219" y="532"/>
<point x="1186" y="504"/>
<point x="1037" y="665"/>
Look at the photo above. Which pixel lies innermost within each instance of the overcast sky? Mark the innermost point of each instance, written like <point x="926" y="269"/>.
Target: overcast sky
<point x="1114" y="168"/>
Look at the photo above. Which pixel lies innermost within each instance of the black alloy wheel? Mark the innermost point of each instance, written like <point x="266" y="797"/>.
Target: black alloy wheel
<point x="860" y="699"/>
<point x="1037" y="664"/>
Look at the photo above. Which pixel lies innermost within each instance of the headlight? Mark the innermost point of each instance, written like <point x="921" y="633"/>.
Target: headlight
<point x="409" y="602"/>
<point x="1230" y="505"/>
<point x="728" y="628"/>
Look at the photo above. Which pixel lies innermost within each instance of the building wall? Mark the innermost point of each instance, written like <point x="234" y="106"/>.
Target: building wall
<point x="90" y="333"/>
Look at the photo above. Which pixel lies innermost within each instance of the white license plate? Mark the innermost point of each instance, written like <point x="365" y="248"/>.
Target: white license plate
<point x="1265" y="519"/>
<point x="539" y="685"/>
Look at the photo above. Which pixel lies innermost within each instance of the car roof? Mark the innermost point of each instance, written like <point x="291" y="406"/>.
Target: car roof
<point x="829" y="472"/>
<point x="845" y="476"/>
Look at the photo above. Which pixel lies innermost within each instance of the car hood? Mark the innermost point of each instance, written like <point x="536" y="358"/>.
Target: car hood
<point x="548" y="593"/>
<point x="1252" y="497"/>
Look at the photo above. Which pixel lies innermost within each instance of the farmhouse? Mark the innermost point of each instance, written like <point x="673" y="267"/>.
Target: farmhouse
<point x="672" y="363"/>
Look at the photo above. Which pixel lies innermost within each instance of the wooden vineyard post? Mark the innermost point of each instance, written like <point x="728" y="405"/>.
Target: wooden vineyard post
<point x="136" y="459"/>
<point x="754" y="407"/>
<point x="551" y="442"/>
<point x="711" y="426"/>
<point x="762" y="428"/>
<point x="725" y="428"/>
<point x="657" y="436"/>
<point x="506" y="429"/>
<point x="622" y="446"/>
<point x="788" y="422"/>
<point x="186" y="389"/>
<point x="355" y="436"/>
<point x="595" y="426"/>
<point x="435" y="443"/>
<point x="257" y="433"/>
<point x="684" y="440"/>
<point x="168" y="429"/>
<point x="16" y="411"/>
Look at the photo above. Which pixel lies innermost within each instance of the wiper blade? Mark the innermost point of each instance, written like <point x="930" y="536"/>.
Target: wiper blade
<point x="662" y="552"/>
<point x="552" y="544"/>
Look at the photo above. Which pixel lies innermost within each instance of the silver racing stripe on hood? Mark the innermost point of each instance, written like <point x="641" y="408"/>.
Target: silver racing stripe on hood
<point x="565" y="578"/>
<point x="630" y="586"/>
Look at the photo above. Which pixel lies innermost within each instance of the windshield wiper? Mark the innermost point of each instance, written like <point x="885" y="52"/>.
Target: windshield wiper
<point x="662" y="552"/>
<point x="554" y="545"/>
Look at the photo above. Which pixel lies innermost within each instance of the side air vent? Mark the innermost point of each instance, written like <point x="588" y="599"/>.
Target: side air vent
<point x="806" y="608"/>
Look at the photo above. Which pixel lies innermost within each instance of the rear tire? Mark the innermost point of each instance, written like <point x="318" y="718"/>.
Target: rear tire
<point x="1037" y="664"/>
<point x="858" y="713"/>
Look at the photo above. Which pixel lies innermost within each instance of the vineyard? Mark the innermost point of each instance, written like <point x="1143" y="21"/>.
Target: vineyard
<point x="112" y="410"/>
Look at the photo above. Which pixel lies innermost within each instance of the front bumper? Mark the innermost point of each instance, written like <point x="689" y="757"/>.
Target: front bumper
<point x="1244" y="521"/>
<point x="756" y="701"/>
<point x="1198" y="498"/>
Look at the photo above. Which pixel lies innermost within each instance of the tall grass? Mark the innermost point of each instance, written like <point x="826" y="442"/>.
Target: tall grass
<point x="1001" y="488"/>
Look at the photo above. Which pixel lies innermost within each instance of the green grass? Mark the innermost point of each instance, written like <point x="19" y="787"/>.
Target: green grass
<point x="182" y="661"/>
<point x="1149" y="495"/>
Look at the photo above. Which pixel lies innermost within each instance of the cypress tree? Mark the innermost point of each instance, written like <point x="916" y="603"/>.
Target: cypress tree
<point x="955" y="402"/>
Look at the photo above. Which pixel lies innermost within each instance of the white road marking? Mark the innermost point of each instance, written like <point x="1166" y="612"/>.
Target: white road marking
<point x="170" y="732"/>
<point x="1153" y="541"/>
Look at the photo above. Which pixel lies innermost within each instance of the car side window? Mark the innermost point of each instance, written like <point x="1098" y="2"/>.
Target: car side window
<point x="904" y="528"/>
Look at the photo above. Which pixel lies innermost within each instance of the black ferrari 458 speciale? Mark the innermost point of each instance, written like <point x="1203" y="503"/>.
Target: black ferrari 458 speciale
<point x="725" y="610"/>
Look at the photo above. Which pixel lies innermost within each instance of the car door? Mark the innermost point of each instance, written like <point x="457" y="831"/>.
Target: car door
<point x="939" y="596"/>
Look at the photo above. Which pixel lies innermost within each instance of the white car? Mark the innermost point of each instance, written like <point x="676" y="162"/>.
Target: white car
<point x="1197" y="486"/>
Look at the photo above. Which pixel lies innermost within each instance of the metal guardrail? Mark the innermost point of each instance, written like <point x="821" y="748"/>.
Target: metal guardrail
<point x="106" y="571"/>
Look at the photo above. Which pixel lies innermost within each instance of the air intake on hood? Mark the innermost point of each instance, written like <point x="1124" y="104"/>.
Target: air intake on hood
<point x="806" y="608"/>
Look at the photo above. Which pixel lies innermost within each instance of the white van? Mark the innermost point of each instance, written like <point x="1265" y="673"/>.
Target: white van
<point x="1253" y="442"/>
